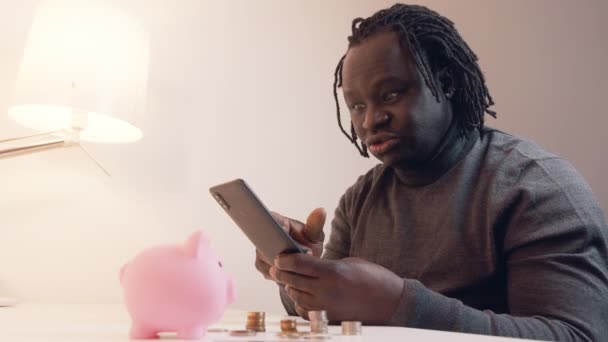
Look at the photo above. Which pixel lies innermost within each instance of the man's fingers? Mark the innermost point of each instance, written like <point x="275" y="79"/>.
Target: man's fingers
<point x="293" y="280"/>
<point x="302" y="298"/>
<point x="281" y="220"/>
<point x="264" y="269"/>
<point x="308" y="236"/>
<point x="301" y="311"/>
<point x="290" y="226"/>
<point x="302" y="264"/>
<point x="259" y="255"/>
<point x="313" y="229"/>
<point x="262" y="266"/>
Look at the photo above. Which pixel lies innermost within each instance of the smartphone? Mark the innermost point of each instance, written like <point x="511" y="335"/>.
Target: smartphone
<point x="253" y="218"/>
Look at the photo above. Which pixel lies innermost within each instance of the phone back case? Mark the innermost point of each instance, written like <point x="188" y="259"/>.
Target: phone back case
<point x="253" y="218"/>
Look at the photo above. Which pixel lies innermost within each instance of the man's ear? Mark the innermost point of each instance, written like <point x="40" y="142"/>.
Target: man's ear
<point x="446" y="82"/>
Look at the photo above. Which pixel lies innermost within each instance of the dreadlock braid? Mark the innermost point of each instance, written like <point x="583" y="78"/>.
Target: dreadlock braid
<point x="427" y="34"/>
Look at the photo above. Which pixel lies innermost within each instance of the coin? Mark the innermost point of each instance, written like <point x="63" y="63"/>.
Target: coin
<point x="291" y="335"/>
<point x="258" y="328"/>
<point x="288" y="325"/>
<point x="256" y="314"/>
<point x="351" y="328"/>
<point x="316" y="337"/>
<point x="242" y="333"/>
<point x="256" y="321"/>
<point x="319" y="327"/>
<point x="320" y="315"/>
<point x="217" y="330"/>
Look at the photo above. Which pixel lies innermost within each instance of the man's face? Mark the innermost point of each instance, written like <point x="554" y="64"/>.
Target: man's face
<point x="392" y="109"/>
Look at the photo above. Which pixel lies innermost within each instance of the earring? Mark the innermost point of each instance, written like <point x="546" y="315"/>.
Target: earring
<point x="447" y="82"/>
<point x="450" y="93"/>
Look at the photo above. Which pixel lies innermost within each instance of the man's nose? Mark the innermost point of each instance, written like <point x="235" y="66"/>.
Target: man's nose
<point x="375" y="118"/>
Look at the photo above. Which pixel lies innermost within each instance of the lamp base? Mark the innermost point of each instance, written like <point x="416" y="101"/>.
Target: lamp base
<point x="32" y="143"/>
<point x="42" y="142"/>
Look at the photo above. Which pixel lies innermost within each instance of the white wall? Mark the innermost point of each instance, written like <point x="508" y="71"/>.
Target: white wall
<point x="243" y="89"/>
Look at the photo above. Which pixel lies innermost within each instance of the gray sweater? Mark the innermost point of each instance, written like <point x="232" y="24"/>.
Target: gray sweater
<point x="496" y="236"/>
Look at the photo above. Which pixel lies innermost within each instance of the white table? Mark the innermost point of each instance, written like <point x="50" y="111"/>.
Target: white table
<point x="111" y="323"/>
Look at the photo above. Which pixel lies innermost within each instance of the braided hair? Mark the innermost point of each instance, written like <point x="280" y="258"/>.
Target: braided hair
<point x="427" y="34"/>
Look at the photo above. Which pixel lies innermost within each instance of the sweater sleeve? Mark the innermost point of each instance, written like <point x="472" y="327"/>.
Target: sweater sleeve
<point x="554" y="251"/>
<point x="338" y="246"/>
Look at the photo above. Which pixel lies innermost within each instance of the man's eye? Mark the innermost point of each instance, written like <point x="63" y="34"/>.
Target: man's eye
<point x="391" y="96"/>
<point x="358" y="107"/>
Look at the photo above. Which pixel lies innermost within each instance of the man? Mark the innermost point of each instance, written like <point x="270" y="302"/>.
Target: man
<point x="462" y="227"/>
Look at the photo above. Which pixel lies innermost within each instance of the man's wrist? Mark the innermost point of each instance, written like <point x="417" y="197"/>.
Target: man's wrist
<point x="394" y="295"/>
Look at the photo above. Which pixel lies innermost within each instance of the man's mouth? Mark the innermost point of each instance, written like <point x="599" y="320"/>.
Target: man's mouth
<point x="382" y="146"/>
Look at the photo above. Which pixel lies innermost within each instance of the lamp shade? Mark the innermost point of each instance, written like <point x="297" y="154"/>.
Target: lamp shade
<point x="84" y="68"/>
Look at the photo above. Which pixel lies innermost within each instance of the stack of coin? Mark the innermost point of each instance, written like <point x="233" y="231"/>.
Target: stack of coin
<point x="289" y="325"/>
<point x="318" y="322"/>
<point x="351" y="328"/>
<point x="255" y="321"/>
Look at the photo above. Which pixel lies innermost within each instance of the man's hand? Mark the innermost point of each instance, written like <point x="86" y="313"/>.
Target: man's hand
<point x="348" y="289"/>
<point x="309" y="235"/>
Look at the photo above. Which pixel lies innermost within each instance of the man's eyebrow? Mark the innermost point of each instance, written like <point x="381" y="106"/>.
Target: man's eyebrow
<point x="378" y="83"/>
<point x="348" y="93"/>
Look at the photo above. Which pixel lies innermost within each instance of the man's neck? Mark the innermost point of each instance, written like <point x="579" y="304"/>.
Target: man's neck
<point x="452" y="148"/>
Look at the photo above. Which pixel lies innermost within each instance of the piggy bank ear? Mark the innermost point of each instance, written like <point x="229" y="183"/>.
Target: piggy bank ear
<point x="196" y="244"/>
<point x="122" y="272"/>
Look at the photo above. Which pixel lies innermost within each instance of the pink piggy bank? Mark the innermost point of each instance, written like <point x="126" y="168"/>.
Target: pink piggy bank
<point x="176" y="288"/>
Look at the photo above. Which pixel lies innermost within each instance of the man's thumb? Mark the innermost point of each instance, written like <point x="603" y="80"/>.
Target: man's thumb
<point x="313" y="230"/>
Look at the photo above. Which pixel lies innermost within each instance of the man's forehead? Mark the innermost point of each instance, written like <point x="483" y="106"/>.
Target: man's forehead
<point x="378" y="56"/>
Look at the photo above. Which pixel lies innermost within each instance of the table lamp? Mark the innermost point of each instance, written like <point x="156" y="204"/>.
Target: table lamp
<point x="82" y="77"/>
